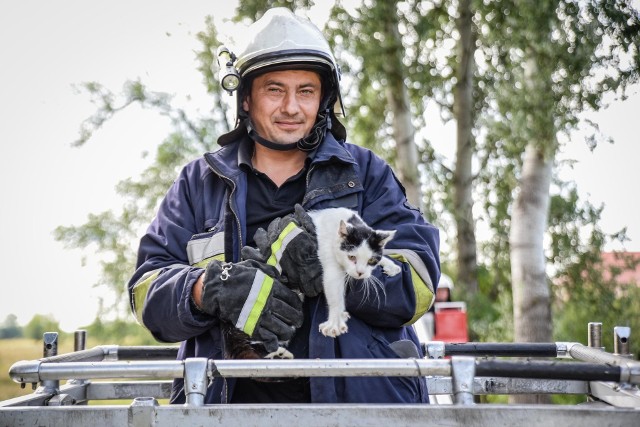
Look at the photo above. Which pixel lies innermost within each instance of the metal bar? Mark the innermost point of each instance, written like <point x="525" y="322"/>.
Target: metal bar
<point x="595" y="335"/>
<point x="463" y="370"/>
<point x="552" y="370"/>
<point x="621" y="344"/>
<point x="195" y="380"/>
<point x="100" y="353"/>
<point x="79" y="340"/>
<point x="503" y="385"/>
<point x="34" y="371"/>
<point x="330" y="368"/>
<point x="50" y="348"/>
<point x="629" y="369"/>
<point x="323" y="415"/>
<point x="111" y="390"/>
<point x="147" y="353"/>
<point x="95" y="354"/>
<point x="622" y="396"/>
<point x="479" y="349"/>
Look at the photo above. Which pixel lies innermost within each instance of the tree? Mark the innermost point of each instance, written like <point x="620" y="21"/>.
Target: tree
<point x="39" y="324"/>
<point x="112" y="233"/>
<point x="9" y="328"/>
<point x="560" y="58"/>
<point x="517" y="84"/>
<point x="465" y="150"/>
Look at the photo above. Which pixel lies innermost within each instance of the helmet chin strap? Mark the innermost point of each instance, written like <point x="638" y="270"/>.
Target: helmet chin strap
<point x="308" y="143"/>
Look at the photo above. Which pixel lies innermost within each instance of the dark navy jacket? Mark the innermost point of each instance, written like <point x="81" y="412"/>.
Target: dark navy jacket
<point x="189" y="231"/>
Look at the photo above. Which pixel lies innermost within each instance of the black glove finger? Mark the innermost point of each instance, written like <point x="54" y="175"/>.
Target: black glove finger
<point x="304" y="219"/>
<point x="286" y="313"/>
<point x="274" y="228"/>
<point x="267" y="269"/>
<point x="281" y="330"/>
<point x="247" y="252"/>
<point x="262" y="241"/>
<point x="311" y="282"/>
<point x="282" y="293"/>
<point x="269" y="340"/>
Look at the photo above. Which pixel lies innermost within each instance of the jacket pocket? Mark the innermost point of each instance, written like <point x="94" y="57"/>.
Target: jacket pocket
<point x="203" y="247"/>
<point x="380" y="347"/>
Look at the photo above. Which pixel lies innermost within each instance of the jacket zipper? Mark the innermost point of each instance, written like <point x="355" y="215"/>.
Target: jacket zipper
<point x="232" y="184"/>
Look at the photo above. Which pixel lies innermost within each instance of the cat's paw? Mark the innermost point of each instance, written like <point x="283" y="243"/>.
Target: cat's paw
<point x="280" y="353"/>
<point x="335" y="326"/>
<point x="391" y="269"/>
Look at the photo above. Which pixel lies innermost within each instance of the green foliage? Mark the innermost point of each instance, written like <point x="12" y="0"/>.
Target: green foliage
<point x="586" y="292"/>
<point x="489" y="311"/>
<point x="120" y="332"/>
<point x="110" y="234"/>
<point x="582" y="50"/>
<point x="40" y="324"/>
<point x="9" y="328"/>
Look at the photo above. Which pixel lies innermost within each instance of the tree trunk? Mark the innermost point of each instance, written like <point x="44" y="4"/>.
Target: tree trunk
<point x="398" y="99"/>
<point x="463" y="175"/>
<point x="531" y="298"/>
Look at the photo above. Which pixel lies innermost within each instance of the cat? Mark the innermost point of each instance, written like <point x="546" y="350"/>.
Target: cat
<point x="348" y="249"/>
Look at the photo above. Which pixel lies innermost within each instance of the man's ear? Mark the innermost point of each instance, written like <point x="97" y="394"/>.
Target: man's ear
<point x="245" y="104"/>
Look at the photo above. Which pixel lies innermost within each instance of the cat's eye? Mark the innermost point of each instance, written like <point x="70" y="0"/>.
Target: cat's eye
<point x="372" y="261"/>
<point x="352" y="258"/>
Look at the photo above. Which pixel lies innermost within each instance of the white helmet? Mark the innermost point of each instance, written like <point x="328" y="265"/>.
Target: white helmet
<point x="445" y="282"/>
<point x="280" y="40"/>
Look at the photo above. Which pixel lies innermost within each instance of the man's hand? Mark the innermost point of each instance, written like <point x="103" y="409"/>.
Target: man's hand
<point x="249" y="295"/>
<point x="290" y="245"/>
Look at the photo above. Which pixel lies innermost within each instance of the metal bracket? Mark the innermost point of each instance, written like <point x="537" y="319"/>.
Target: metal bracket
<point x="195" y="380"/>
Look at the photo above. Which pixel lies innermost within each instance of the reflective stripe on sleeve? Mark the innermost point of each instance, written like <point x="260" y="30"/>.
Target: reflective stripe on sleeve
<point x="255" y="302"/>
<point x="422" y="286"/>
<point x="139" y="291"/>
<point x="141" y="288"/>
<point x="278" y="247"/>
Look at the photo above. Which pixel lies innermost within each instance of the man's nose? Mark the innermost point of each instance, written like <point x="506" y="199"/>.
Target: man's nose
<point x="290" y="104"/>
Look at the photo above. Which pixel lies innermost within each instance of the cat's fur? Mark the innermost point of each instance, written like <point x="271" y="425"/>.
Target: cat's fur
<point x="348" y="249"/>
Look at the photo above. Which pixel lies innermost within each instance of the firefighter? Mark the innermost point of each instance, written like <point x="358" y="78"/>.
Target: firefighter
<point x="288" y="147"/>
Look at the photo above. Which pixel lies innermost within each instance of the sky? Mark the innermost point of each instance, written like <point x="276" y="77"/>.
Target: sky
<point x="48" y="48"/>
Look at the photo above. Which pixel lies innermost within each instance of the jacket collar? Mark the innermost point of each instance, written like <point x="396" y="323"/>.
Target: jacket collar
<point x="226" y="160"/>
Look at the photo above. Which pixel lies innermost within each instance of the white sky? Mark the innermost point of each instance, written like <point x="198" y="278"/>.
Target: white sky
<point x="47" y="47"/>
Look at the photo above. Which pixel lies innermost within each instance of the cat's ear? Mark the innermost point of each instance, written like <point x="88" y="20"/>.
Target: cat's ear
<point x="343" y="230"/>
<point x="385" y="236"/>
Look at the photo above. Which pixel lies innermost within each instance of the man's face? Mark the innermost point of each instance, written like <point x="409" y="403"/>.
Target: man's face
<point x="283" y="105"/>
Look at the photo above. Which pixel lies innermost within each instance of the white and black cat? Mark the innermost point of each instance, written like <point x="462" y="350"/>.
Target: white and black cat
<point x="348" y="249"/>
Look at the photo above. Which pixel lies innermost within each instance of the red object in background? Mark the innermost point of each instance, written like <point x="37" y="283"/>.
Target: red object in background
<point x="450" y="322"/>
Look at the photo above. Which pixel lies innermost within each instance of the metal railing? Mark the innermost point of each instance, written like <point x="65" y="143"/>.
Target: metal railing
<point x="460" y="370"/>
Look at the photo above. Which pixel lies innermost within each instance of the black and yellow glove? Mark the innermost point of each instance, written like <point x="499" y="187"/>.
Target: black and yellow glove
<point x="290" y="245"/>
<point x="249" y="295"/>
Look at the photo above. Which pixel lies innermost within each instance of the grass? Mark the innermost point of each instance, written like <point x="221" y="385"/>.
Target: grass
<point x="14" y="350"/>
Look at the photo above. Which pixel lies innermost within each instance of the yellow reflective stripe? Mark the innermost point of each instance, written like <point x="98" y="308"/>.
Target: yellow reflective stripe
<point x="424" y="295"/>
<point x="206" y="261"/>
<point x="278" y="247"/>
<point x="139" y="292"/>
<point x="255" y="303"/>
<point x="141" y="288"/>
